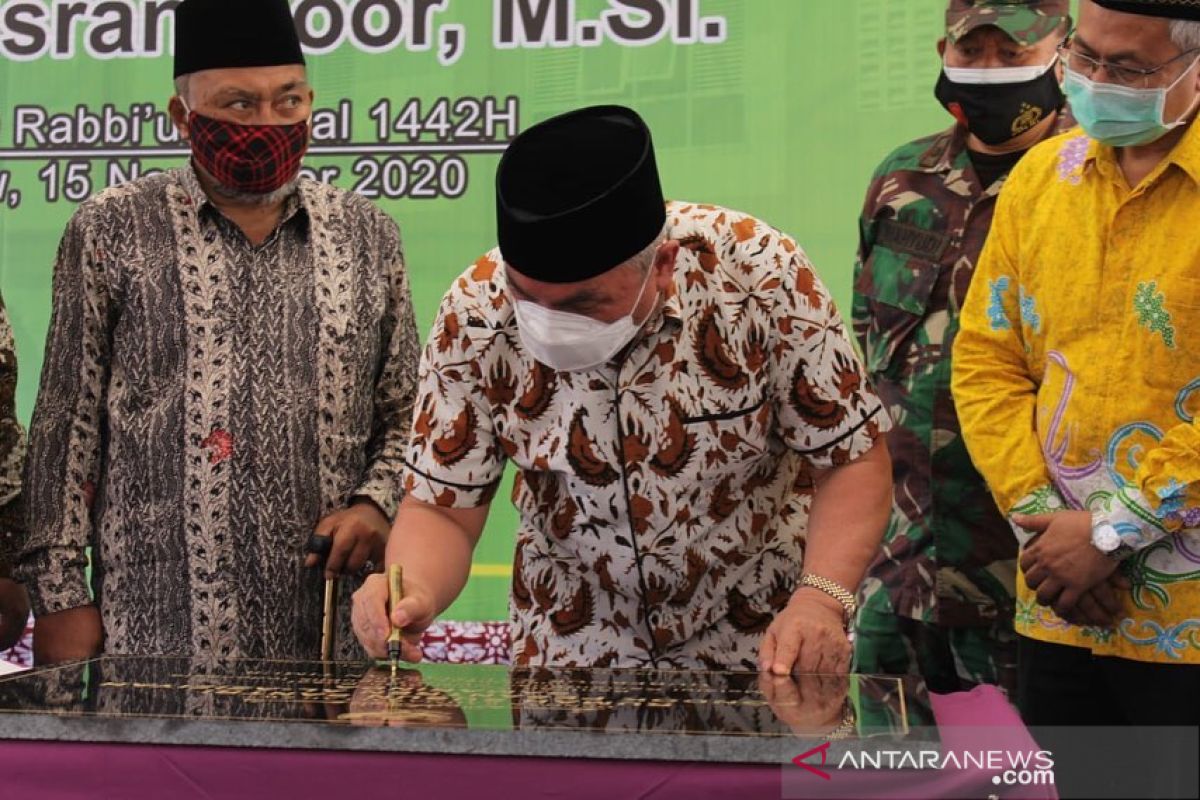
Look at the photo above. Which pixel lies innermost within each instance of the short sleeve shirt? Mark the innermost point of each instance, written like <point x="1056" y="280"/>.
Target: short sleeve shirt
<point x="662" y="496"/>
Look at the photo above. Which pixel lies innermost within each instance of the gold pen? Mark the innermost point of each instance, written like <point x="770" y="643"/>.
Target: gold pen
<point x="395" y="595"/>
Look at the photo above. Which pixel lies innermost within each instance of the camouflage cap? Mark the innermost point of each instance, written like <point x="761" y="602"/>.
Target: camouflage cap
<point x="1026" y="21"/>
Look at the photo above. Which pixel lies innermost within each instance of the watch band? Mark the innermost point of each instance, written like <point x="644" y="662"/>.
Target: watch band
<point x="1121" y="553"/>
<point x="834" y="590"/>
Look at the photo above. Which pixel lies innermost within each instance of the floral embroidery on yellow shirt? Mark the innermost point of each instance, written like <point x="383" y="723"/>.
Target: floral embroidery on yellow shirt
<point x="1074" y="382"/>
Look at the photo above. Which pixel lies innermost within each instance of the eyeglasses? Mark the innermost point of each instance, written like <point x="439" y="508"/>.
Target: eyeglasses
<point x="1133" y="77"/>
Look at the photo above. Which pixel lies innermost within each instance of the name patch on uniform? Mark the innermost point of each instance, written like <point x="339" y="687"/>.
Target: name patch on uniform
<point x="910" y="239"/>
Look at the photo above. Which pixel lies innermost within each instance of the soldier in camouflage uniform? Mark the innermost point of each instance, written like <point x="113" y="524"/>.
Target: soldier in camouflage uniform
<point x="938" y="600"/>
<point x="14" y="605"/>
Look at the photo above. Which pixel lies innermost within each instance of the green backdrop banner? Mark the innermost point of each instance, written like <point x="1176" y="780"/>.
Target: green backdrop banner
<point x="780" y="108"/>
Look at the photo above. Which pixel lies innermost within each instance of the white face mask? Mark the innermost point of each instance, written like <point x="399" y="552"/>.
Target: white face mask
<point x="573" y="342"/>
<point x="995" y="75"/>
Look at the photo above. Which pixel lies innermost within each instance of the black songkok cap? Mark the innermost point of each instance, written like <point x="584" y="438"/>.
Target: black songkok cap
<point x="220" y="34"/>
<point x="1173" y="9"/>
<point x="578" y="195"/>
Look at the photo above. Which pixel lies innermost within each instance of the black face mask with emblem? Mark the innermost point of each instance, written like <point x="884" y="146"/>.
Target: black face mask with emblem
<point x="999" y="112"/>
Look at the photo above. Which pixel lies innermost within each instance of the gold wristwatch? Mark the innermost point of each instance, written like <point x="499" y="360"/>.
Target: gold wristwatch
<point x="834" y="590"/>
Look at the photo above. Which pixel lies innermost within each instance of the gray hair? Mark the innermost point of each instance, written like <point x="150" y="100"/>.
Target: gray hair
<point x="1185" y="34"/>
<point x="182" y="84"/>
<point x="644" y="259"/>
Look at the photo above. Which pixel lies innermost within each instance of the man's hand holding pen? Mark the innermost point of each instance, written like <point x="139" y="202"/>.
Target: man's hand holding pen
<point x="372" y="623"/>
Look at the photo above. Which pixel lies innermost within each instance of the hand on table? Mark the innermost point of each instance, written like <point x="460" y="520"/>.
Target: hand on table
<point x="808" y="636"/>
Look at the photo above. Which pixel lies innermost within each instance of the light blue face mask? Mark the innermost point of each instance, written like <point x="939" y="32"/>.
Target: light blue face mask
<point x="1121" y="116"/>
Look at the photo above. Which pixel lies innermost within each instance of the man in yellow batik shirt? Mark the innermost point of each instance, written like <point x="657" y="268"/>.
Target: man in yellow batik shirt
<point x="1077" y="378"/>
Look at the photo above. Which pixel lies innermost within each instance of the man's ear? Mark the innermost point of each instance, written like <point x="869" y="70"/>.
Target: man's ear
<point x="664" y="264"/>
<point x="312" y="102"/>
<point x="941" y="47"/>
<point x="179" y="116"/>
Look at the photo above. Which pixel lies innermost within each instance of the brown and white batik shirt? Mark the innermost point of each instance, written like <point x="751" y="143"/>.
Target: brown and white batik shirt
<point x="662" y="495"/>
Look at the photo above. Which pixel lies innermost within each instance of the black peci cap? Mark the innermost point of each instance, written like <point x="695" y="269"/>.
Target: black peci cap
<point x="1172" y="9"/>
<point x="220" y="34"/>
<point x="578" y="195"/>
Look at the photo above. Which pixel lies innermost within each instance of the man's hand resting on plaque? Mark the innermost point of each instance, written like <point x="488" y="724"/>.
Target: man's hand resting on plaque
<point x="807" y="637"/>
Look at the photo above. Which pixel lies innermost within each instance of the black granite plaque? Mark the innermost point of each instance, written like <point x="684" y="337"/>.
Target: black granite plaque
<point x="608" y="713"/>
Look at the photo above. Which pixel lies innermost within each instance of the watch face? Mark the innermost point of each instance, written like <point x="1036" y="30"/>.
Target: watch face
<point x="1107" y="538"/>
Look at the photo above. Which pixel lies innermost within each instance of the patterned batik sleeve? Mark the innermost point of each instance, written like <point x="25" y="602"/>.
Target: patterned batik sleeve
<point x="64" y="455"/>
<point x="396" y="387"/>
<point x="825" y="408"/>
<point x="1165" y="496"/>
<point x="994" y="392"/>
<point x="454" y="458"/>
<point x="12" y="448"/>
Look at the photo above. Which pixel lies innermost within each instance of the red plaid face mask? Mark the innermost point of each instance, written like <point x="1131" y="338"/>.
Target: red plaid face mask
<point x="255" y="159"/>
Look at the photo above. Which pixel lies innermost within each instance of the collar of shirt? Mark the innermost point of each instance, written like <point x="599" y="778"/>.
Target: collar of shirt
<point x="672" y="311"/>
<point x="295" y="203"/>
<point x="1186" y="156"/>
<point x="949" y="148"/>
